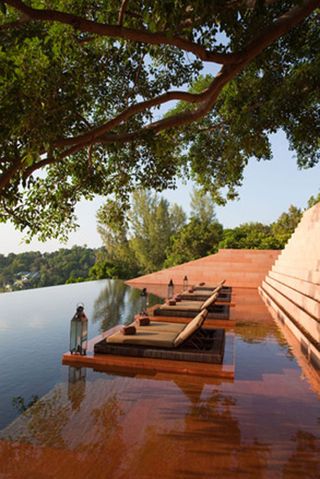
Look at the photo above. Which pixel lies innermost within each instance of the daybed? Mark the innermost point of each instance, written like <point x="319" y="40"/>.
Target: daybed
<point x="188" y="309"/>
<point x="201" y="293"/>
<point x="172" y="341"/>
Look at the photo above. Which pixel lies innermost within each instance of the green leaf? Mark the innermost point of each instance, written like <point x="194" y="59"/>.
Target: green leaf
<point x="3" y="8"/>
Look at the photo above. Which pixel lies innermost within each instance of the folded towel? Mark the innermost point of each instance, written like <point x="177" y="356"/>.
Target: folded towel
<point x="128" y="330"/>
<point x="142" y="320"/>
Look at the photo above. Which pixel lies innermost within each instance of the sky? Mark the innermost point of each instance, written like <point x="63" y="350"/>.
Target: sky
<point x="269" y="188"/>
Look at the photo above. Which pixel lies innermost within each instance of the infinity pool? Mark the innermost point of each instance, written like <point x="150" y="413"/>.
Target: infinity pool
<point x="263" y="424"/>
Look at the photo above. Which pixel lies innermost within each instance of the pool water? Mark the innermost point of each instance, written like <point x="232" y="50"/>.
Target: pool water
<point x="263" y="424"/>
<point x="34" y="333"/>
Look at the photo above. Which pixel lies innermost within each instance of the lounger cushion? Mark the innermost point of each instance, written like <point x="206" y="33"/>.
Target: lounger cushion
<point x="191" y="327"/>
<point x="162" y="326"/>
<point x="145" y="338"/>
<point x="163" y="339"/>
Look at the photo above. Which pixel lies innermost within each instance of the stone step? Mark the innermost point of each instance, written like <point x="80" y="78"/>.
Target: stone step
<point x="301" y="317"/>
<point x="306" y="275"/>
<point x="310" y="305"/>
<point x="305" y="343"/>
<point x="302" y="263"/>
<point x="305" y="287"/>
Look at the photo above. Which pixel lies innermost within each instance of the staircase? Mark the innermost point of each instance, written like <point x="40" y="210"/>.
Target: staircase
<point x="291" y="289"/>
<point x="239" y="267"/>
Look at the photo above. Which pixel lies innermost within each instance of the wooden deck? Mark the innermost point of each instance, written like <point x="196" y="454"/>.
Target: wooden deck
<point x="107" y="362"/>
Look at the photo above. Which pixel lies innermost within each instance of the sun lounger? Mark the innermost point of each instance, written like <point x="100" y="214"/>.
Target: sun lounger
<point x="188" y="342"/>
<point x="223" y="297"/>
<point x="188" y="309"/>
<point x="200" y="293"/>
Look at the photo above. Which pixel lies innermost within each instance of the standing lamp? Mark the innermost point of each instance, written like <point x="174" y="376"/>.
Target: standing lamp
<point x="170" y="289"/>
<point x="144" y="301"/>
<point x="79" y="331"/>
<point x="185" y="283"/>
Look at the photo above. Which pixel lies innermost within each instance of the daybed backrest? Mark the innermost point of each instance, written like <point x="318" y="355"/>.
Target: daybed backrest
<point x="191" y="327"/>
<point x="210" y="300"/>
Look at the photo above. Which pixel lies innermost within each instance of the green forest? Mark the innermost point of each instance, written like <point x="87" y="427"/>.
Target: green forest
<point x="153" y="235"/>
<point x="35" y="269"/>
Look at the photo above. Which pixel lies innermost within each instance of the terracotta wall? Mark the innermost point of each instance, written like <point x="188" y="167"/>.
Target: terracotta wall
<point x="291" y="289"/>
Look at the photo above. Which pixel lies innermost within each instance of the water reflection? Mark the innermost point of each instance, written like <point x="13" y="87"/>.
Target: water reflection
<point x="19" y="402"/>
<point x="118" y="303"/>
<point x="119" y="427"/>
<point x="76" y="386"/>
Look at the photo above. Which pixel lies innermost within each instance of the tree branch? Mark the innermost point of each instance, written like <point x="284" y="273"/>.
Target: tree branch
<point x="16" y="24"/>
<point x="128" y="113"/>
<point x="122" y="11"/>
<point x="206" y="99"/>
<point x="118" y="31"/>
<point x="6" y="177"/>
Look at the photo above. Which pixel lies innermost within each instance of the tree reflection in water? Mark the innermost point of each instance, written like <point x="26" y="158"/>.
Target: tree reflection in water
<point x="120" y="428"/>
<point x="118" y="303"/>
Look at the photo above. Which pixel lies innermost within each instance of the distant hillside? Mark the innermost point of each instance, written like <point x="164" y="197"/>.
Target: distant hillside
<point x="35" y="269"/>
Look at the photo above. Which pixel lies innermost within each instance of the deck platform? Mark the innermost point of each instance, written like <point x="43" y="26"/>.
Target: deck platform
<point x="107" y="362"/>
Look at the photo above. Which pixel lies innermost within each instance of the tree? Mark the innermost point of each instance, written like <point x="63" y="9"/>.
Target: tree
<point x="82" y="82"/>
<point x="194" y="240"/>
<point x="313" y="200"/>
<point x="116" y="260"/>
<point x="139" y="240"/>
<point x="200" y="236"/>
<point x="250" y="236"/>
<point x="153" y="223"/>
<point x="202" y="207"/>
<point x="285" y="225"/>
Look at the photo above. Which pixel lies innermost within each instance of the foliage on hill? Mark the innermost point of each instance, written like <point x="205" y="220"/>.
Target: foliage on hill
<point x="35" y="269"/>
<point x="85" y="88"/>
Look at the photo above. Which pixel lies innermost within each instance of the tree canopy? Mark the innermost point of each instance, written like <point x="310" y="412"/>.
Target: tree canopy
<point x="139" y="244"/>
<point x="85" y="89"/>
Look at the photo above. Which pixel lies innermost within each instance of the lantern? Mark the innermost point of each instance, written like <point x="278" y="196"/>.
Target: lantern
<point x="170" y="289"/>
<point x="144" y="301"/>
<point x="185" y="283"/>
<point x="79" y="331"/>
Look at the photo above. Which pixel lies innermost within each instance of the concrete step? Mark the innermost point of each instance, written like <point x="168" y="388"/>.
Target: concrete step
<point x="306" y="275"/>
<point x="301" y="317"/>
<point x="310" y="305"/>
<point x="305" y="287"/>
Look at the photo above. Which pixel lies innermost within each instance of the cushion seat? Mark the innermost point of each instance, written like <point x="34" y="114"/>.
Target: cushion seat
<point x="163" y="339"/>
<point x="146" y="336"/>
<point x="160" y="326"/>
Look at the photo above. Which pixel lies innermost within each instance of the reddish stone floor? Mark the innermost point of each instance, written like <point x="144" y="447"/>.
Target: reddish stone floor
<point x="263" y="424"/>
